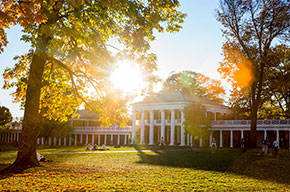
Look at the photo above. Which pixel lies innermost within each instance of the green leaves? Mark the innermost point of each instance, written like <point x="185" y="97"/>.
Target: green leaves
<point x="5" y="116"/>
<point x="86" y="38"/>
<point x="196" y="122"/>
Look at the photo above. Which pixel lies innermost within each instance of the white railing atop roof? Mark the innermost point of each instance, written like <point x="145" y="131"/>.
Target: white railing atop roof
<point x="91" y="128"/>
<point x="285" y="122"/>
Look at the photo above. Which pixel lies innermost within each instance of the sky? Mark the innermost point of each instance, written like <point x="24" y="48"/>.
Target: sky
<point x="197" y="47"/>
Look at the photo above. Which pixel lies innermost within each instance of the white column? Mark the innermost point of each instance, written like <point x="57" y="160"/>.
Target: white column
<point x="163" y="124"/>
<point x="242" y="134"/>
<point x="182" y="129"/>
<point x="142" y="139"/>
<point x="210" y="140"/>
<point x="59" y="140"/>
<point x="112" y="140"/>
<point x="11" y="137"/>
<point x="87" y="138"/>
<point x="118" y="139"/>
<point x="187" y="139"/>
<point x="69" y="140"/>
<point x="265" y="133"/>
<point x="76" y="139"/>
<point x="172" y="127"/>
<point x="277" y="138"/>
<point x="54" y="140"/>
<point x="93" y="139"/>
<point x="200" y="141"/>
<point x="42" y="141"/>
<point x="37" y="141"/>
<point x="151" y="131"/>
<point x="125" y="141"/>
<point x="18" y="135"/>
<point x="105" y="140"/>
<point x="99" y="139"/>
<point x="231" y="139"/>
<point x="49" y="141"/>
<point x="64" y="140"/>
<point x="221" y="138"/>
<point x="133" y="127"/>
<point x="190" y="139"/>
<point x="214" y="116"/>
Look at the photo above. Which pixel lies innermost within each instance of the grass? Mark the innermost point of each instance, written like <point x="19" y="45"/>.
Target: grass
<point x="153" y="171"/>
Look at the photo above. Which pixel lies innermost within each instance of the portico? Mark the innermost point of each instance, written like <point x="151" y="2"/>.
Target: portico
<point x="162" y="116"/>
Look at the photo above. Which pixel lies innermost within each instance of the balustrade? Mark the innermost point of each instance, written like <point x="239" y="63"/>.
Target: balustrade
<point x="283" y="122"/>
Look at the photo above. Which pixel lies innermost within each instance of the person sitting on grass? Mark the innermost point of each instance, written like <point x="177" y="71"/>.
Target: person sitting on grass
<point x="162" y="143"/>
<point x="89" y="147"/>
<point x="95" y="147"/>
<point x="41" y="158"/>
<point x="105" y="148"/>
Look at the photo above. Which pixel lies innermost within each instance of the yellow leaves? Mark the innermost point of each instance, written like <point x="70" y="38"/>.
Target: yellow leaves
<point x="19" y="12"/>
<point x="243" y="75"/>
<point x="236" y="68"/>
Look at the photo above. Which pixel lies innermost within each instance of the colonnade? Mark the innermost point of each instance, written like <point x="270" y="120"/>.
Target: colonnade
<point x="265" y="135"/>
<point x="72" y="139"/>
<point x="9" y="137"/>
<point x="81" y="139"/>
<point x="162" y="124"/>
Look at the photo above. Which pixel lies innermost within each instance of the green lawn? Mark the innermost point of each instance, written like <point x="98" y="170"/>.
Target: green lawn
<point x="153" y="171"/>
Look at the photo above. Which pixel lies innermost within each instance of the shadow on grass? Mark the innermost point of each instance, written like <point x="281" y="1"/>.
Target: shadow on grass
<point x="250" y="163"/>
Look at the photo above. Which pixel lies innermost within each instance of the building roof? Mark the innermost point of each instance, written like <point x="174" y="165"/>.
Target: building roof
<point x="86" y="114"/>
<point x="175" y="96"/>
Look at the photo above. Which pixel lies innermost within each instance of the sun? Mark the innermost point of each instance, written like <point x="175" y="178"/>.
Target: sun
<point x="127" y="77"/>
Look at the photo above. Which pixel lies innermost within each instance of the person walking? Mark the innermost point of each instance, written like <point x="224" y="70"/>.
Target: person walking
<point x="213" y="145"/>
<point x="276" y="146"/>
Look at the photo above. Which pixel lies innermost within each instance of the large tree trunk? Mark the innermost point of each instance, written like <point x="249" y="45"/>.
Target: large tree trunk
<point x="253" y="132"/>
<point x="26" y="157"/>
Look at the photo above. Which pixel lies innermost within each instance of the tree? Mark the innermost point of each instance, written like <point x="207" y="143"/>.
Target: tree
<point x="20" y="12"/>
<point x="278" y="80"/>
<point x="111" y="109"/>
<point x="53" y="128"/>
<point x="196" y="122"/>
<point x="75" y="36"/>
<point x="251" y="27"/>
<point x="196" y="84"/>
<point x="5" y="116"/>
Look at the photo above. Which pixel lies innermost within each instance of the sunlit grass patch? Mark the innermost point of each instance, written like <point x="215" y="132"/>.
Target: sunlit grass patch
<point x="153" y="171"/>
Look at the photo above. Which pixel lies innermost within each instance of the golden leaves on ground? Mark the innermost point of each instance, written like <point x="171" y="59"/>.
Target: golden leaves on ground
<point x="181" y="171"/>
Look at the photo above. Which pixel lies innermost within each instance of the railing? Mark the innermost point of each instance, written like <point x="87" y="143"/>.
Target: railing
<point x="157" y="121"/>
<point x="103" y="128"/>
<point x="248" y="122"/>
